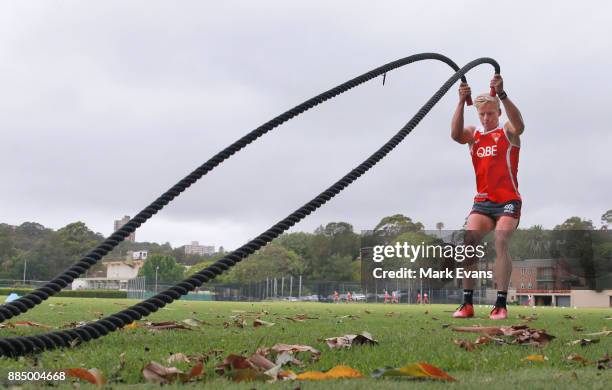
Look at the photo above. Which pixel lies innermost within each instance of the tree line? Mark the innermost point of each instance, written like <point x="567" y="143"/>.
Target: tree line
<point x="331" y="252"/>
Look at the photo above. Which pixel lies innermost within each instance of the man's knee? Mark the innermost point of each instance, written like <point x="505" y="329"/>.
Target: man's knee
<point x="472" y="239"/>
<point x="502" y="240"/>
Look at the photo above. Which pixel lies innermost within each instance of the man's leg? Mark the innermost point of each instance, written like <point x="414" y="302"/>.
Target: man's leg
<point x="478" y="226"/>
<point x="503" y="264"/>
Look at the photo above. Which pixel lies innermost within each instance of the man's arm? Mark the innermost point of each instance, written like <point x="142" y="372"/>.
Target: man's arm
<point x="459" y="133"/>
<point x="516" y="124"/>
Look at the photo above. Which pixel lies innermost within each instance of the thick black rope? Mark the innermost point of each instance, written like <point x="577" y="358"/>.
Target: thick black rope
<point x="18" y="346"/>
<point x="26" y="302"/>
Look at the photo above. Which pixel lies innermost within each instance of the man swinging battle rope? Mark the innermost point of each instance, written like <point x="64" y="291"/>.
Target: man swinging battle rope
<point x="497" y="204"/>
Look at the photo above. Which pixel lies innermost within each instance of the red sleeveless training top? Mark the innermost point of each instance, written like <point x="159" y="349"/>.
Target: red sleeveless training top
<point x="495" y="162"/>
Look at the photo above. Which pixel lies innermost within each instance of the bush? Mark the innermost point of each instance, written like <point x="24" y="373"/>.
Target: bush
<point x="71" y="293"/>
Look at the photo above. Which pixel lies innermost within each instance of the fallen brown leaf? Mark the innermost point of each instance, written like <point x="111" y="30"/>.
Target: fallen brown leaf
<point x="165" y="325"/>
<point x="92" y="375"/>
<point x="465" y="344"/>
<point x="535" y="358"/>
<point x="35" y="324"/>
<point x="156" y="373"/>
<point x="301" y="318"/>
<point x="605" y="362"/>
<point x="416" y="370"/>
<point x="522" y="333"/>
<point x="257" y="323"/>
<point x="348" y="340"/>
<point x="583" y="342"/>
<point x="337" y="372"/>
<point x="577" y="358"/>
<point x="602" y="333"/>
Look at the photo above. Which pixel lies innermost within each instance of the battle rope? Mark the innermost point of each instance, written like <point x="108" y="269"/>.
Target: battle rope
<point x="23" y="304"/>
<point x="18" y="346"/>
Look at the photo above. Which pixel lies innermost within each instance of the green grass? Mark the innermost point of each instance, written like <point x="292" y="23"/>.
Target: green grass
<point x="410" y="337"/>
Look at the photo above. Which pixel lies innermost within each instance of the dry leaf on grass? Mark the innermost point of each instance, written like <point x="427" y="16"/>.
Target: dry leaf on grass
<point x="166" y="325"/>
<point x="132" y="325"/>
<point x="522" y="334"/>
<point x="156" y="373"/>
<point x="577" y="358"/>
<point x="285" y="353"/>
<point x="97" y="314"/>
<point x="301" y="318"/>
<point x="417" y="370"/>
<point x="338" y="372"/>
<point x="73" y="325"/>
<point x="348" y="340"/>
<point x="602" y="333"/>
<point x="92" y="375"/>
<point x="535" y="358"/>
<point x="34" y="324"/>
<point x="257" y="323"/>
<point x="605" y="362"/>
<point x="194" y="323"/>
<point x="178" y="357"/>
<point x="528" y="318"/>
<point x="198" y="357"/>
<point x="583" y="342"/>
<point x="256" y="367"/>
<point x="465" y="344"/>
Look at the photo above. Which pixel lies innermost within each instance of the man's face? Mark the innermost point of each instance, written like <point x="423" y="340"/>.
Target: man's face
<point x="489" y="115"/>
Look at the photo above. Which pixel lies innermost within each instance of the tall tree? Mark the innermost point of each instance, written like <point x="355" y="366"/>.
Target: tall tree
<point x="606" y="219"/>
<point x="168" y="271"/>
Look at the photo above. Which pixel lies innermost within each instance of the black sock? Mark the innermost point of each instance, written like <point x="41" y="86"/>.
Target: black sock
<point x="467" y="296"/>
<point x="501" y="299"/>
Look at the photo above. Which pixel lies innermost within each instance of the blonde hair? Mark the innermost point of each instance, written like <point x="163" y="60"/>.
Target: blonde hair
<point x="486" y="98"/>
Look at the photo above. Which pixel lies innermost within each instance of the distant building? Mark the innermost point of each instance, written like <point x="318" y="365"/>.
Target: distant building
<point x="120" y="222"/>
<point x="546" y="274"/>
<point x="118" y="273"/>
<point x="196" y="249"/>
<point x="554" y="282"/>
<point x="138" y="255"/>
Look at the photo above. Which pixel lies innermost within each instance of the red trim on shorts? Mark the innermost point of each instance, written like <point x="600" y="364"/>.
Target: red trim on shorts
<point x="515" y="216"/>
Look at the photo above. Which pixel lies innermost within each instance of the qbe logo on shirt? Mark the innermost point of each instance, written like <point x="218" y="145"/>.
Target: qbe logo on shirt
<point x="486" y="151"/>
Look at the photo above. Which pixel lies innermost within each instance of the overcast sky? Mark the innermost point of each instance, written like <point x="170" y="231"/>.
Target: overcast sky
<point x="105" y="105"/>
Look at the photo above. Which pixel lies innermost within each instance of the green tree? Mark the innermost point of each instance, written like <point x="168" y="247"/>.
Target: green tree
<point x="299" y="242"/>
<point x="271" y="261"/>
<point x="394" y="225"/>
<point x="168" y="272"/>
<point x="573" y="239"/>
<point x="606" y="219"/>
<point x="77" y="239"/>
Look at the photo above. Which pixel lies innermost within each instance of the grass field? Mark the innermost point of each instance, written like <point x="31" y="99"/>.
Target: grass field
<point x="412" y="334"/>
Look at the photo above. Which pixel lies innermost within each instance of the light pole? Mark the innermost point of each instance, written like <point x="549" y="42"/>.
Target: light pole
<point x="156" y="269"/>
<point x="25" y="265"/>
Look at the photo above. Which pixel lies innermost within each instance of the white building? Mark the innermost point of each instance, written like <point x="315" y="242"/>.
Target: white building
<point x="196" y="249"/>
<point x="118" y="273"/>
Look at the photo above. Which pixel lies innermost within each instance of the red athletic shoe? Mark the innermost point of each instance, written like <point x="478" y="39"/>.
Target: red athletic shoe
<point x="499" y="313"/>
<point x="466" y="310"/>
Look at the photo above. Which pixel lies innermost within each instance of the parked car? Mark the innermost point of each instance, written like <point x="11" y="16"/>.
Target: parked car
<point x="359" y="297"/>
